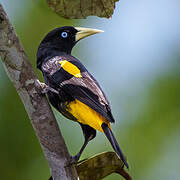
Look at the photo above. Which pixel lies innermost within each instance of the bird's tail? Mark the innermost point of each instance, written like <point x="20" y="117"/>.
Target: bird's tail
<point x="109" y="134"/>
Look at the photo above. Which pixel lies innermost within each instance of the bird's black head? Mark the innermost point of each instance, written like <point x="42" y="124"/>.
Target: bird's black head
<point x="61" y="40"/>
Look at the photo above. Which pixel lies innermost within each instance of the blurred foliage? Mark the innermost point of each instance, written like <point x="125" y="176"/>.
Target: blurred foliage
<point x="147" y="139"/>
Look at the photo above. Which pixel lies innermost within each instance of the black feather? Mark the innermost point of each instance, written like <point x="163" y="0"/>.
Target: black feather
<point x="109" y="134"/>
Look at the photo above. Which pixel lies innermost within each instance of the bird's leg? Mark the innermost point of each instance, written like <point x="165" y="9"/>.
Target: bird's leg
<point x="89" y="134"/>
<point x="45" y="87"/>
<point x="75" y="158"/>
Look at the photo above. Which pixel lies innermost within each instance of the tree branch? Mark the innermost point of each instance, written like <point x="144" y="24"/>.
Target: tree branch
<point x="20" y="72"/>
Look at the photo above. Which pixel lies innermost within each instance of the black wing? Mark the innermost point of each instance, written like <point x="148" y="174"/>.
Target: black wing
<point x="86" y="89"/>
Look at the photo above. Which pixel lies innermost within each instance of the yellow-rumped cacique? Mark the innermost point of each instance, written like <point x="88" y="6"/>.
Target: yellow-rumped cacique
<point x="72" y="90"/>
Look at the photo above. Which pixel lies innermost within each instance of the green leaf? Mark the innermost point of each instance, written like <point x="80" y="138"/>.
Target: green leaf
<point x="80" y="9"/>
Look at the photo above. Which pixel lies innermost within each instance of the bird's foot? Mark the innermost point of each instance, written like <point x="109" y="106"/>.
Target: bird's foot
<point x="74" y="159"/>
<point x="45" y="87"/>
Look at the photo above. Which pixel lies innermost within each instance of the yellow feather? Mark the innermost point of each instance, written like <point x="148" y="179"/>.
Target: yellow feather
<point x="85" y="115"/>
<point x="70" y="68"/>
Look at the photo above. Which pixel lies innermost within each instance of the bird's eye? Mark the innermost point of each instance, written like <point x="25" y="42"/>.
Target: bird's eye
<point x="64" y="34"/>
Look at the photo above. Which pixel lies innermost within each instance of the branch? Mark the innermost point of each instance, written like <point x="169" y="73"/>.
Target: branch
<point x="20" y="72"/>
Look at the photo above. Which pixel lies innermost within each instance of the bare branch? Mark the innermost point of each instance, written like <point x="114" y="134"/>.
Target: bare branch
<point x="21" y="74"/>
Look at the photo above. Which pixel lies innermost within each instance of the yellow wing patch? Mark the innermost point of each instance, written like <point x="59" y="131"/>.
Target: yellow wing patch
<point x="85" y="115"/>
<point x="70" y="68"/>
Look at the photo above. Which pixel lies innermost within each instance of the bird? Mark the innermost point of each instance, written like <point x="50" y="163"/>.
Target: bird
<point x="70" y="87"/>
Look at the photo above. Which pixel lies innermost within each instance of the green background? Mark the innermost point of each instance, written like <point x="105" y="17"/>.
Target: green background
<point x="137" y="62"/>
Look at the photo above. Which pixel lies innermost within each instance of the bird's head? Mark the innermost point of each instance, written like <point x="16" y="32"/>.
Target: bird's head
<point x="62" y="39"/>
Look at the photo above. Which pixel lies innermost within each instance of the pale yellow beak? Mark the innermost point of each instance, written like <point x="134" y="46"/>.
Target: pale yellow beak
<point x="84" y="32"/>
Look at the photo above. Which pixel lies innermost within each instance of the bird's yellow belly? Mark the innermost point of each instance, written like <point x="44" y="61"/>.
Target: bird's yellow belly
<point x="85" y="115"/>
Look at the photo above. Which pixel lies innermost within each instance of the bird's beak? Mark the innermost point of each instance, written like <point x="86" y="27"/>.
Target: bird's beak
<point x="84" y="32"/>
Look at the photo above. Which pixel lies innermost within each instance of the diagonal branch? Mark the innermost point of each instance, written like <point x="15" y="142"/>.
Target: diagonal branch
<point x="20" y="72"/>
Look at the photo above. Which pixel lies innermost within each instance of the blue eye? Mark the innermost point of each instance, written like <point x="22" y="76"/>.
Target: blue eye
<point x="64" y="34"/>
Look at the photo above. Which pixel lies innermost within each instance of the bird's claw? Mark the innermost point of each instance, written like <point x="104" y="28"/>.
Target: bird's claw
<point x="45" y="87"/>
<point x="74" y="159"/>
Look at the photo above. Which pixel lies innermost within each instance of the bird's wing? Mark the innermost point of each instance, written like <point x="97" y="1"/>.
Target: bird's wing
<point x="87" y="90"/>
<point x="76" y="81"/>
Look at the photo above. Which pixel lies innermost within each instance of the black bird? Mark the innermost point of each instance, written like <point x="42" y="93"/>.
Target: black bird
<point x="71" y="89"/>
